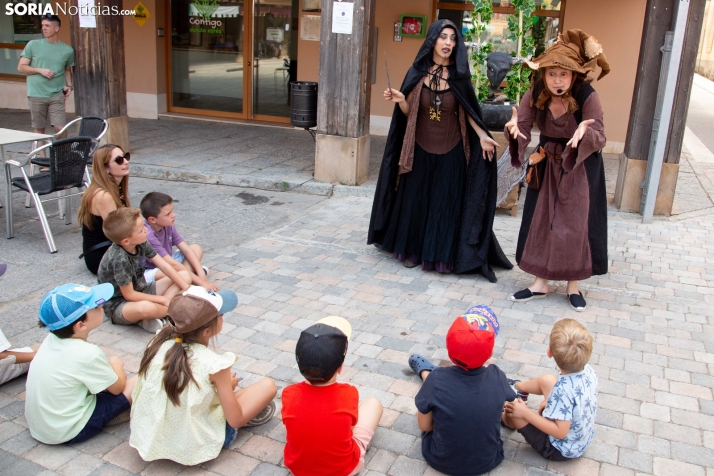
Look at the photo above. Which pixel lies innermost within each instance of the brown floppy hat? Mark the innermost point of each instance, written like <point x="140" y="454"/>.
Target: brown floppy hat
<point x="576" y="51"/>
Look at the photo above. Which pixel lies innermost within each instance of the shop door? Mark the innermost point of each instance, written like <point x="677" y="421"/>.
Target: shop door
<point x="275" y="57"/>
<point x="232" y="58"/>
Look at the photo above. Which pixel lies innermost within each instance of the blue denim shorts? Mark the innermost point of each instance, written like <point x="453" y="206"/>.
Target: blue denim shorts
<point x="231" y="434"/>
<point x="108" y="406"/>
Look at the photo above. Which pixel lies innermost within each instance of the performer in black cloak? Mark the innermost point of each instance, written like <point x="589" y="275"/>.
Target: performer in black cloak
<point x="436" y="194"/>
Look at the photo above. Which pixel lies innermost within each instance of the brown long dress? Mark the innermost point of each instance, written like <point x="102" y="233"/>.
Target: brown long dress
<point x="563" y="234"/>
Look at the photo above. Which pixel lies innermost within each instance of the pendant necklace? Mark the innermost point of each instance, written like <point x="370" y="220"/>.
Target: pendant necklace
<point x="434" y="83"/>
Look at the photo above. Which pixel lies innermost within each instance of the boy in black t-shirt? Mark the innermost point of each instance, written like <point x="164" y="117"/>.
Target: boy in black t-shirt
<point x="459" y="407"/>
<point x="123" y="266"/>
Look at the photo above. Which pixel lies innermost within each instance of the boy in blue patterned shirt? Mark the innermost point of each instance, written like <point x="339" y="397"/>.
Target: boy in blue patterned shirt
<point x="565" y="423"/>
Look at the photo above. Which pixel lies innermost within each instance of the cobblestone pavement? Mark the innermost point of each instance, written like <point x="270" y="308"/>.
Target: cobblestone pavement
<point x="652" y="319"/>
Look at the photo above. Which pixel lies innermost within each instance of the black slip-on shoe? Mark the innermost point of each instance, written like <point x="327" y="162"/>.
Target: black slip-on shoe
<point x="526" y="295"/>
<point x="577" y="301"/>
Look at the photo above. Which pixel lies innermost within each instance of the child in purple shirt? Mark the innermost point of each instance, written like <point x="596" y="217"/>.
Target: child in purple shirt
<point x="159" y="218"/>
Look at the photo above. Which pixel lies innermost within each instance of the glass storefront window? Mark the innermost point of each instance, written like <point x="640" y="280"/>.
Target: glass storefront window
<point x="207" y="55"/>
<point x="16" y="30"/>
<point x="19" y="29"/>
<point x="220" y="48"/>
<point x="273" y="38"/>
<point x="9" y="59"/>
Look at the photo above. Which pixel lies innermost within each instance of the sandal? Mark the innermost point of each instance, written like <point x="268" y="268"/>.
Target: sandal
<point x="577" y="301"/>
<point x="263" y="417"/>
<point x="418" y="364"/>
<point x="526" y="295"/>
<point x="409" y="264"/>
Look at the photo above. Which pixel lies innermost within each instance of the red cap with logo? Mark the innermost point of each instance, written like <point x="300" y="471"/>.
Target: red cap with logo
<point x="471" y="337"/>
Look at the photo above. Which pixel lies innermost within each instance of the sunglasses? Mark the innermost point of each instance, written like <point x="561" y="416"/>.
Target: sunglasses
<point x="120" y="159"/>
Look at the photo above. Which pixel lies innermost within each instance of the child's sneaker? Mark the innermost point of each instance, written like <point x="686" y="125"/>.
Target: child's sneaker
<point x="263" y="417"/>
<point x="520" y="394"/>
<point x="152" y="325"/>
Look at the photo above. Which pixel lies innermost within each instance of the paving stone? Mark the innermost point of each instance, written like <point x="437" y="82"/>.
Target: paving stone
<point x="668" y="467"/>
<point x="126" y="457"/>
<point x="381" y="461"/>
<point x="267" y="469"/>
<point x="635" y="460"/>
<point x="263" y="449"/>
<point x="610" y="470"/>
<point x="390" y="440"/>
<point x="81" y="465"/>
<point x="229" y="463"/>
<point x="6" y="459"/>
<point x="404" y="466"/>
<point x="407" y="424"/>
<point x="575" y="467"/>
<point x="603" y="452"/>
<point x="99" y="445"/>
<point x="20" y="443"/>
<point x="653" y="446"/>
<point x="693" y="454"/>
<point x="506" y="468"/>
<point x="22" y="467"/>
<point x="539" y="472"/>
<point x="528" y="456"/>
<point x="679" y="433"/>
<point x="51" y="457"/>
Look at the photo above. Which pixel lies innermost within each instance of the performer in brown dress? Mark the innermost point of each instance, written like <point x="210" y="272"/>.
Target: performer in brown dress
<point x="563" y="234"/>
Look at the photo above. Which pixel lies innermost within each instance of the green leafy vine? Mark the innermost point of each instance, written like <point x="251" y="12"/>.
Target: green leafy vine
<point x="480" y="17"/>
<point x="519" y="24"/>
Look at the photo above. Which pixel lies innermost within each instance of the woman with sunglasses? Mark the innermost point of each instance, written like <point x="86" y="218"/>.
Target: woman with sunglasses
<point x="108" y="191"/>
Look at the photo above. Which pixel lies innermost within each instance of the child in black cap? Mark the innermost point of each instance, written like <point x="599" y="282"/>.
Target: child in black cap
<point x="327" y="430"/>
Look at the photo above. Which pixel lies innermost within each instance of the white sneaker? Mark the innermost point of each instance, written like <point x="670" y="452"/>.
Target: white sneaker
<point x="152" y="325"/>
<point x="205" y="270"/>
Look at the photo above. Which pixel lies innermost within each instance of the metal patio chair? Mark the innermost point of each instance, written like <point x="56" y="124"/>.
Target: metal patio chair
<point x="67" y="163"/>
<point x="89" y="126"/>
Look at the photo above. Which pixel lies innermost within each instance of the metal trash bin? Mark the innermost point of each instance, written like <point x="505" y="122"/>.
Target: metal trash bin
<point x="304" y="104"/>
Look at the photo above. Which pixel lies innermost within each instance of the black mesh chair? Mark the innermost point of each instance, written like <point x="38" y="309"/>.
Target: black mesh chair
<point x="67" y="163"/>
<point x="89" y="126"/>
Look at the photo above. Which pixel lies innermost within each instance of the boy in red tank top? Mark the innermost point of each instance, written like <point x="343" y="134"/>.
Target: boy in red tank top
<point x="328" y="431"/>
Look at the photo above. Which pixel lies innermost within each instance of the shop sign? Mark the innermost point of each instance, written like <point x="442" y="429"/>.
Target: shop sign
<point x="274" y="34"/>
<point x="141" y="14"/>
<point x="203" y="22"/>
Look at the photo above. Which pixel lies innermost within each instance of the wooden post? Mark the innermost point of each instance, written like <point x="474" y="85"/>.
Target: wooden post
<point x="685" y="80"/>
<point x="99" y="73"/>
<point x="659" y="18"/>
<point x="344" y="88"/>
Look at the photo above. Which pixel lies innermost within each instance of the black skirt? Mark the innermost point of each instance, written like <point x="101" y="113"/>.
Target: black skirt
<point x="424" y="223"/>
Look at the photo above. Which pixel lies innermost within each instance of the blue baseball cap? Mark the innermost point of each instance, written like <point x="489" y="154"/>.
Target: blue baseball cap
<point x="65" y="304"/>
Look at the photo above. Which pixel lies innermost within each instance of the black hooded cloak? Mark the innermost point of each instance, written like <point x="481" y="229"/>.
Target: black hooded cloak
<point x="477" y="246"/>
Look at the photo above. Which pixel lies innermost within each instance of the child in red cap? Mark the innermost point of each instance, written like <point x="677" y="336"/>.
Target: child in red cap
<point x="453" y="401"/>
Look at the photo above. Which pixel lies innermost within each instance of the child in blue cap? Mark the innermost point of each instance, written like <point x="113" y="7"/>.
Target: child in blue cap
<point x="73" y="390"/>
